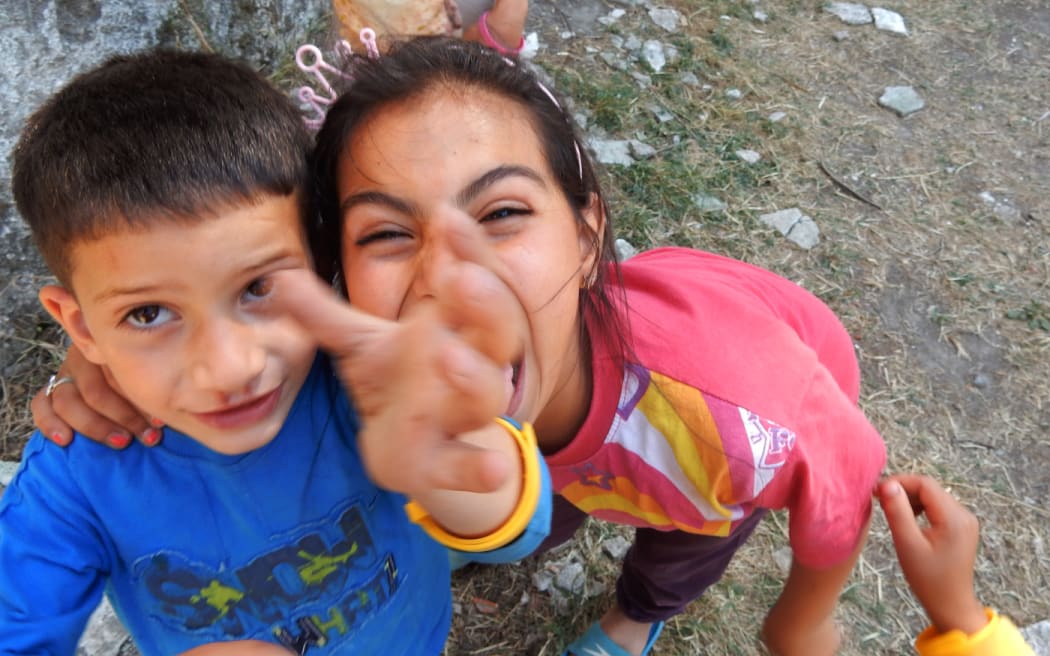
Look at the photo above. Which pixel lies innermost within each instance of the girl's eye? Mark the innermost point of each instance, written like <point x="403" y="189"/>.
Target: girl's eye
<point x="503" y="213"/>
<point x="380" y="236"/>
<point x="148" y="316"/>
<point x="259" y="288"/>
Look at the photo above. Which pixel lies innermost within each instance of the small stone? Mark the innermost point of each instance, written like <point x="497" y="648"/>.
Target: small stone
<point x="632" y="44"/>
<point x="777" y="117"/>
<point x="840" y="35"/>
<point x="531" y="46"/>
<point x="662" y="114"/>
<point x="612" y="151"/>
<point x="734" y="94"/>
<point x="689" y="78"/>
<point x="104" y="635"/>
<point x="643" y="80"/>
<point x="795" y="226"/>
<point x="889" y="21"/>
<point x="782" y="558"/>
<point x="851" y="13"/>
<point x="612" y="16"/>
<point x="980" y="381"/>
<point x="571" y="578"/>
<point x="653" y="54"/>
<point x="749" y="156"/>
<point x="667" y="18"/>
<point x="624" y="250"/>
<point x="1038" y="636"/>
<point x="7" y="472"/>
<point x="543" y="579"/>
<point x="707" y="203"/>
<point x="903" y="100"/>
<point x="760" y="16"/>
<point x="614" y="60"/>
<point x="640" y="149"/>
<point x="616" y="547"/>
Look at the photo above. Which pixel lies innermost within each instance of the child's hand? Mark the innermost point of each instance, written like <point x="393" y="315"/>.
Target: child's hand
<point x="238" y="648"/>
<point x="505" y="23"/>
<point x="89" y="405"/>
<point x="938" y="559"/>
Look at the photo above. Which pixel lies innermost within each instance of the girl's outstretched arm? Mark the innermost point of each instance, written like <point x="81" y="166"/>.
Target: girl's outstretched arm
<point x="801" y="622"/>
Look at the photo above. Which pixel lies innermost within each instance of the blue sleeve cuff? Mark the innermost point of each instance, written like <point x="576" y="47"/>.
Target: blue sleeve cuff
<point x="534" y="534"/>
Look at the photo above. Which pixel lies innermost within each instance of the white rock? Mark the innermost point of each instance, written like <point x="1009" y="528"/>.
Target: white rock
<point x="640" y="149"/>
<point x="612" y="16"/>
<point x="643" y="80"/>
<point x="665" y="17"/>
<point x="531" y="45"/>
<point x="689" y="78"/>
<point x="543" y="579"/>
<point x="1038" y="637"/>
<point x="734" y="94"/>
<point x="851" y="13"/>
<point x="624" y="250"/>
<point x="903" y="100"/>
<point x="841" y="35"/>
<point x="571" y="578"/>
<point x="616" y="547"/>
<point x="782" y="557"/>
<point x="777" y="117"/>
<point x="794" y="225"/>
<point x="104" y="634"/>
<point x="749" y="156"/>
<point x="653" y="54"/>
<point x="662" y="114"/>
<point x="889" y="21"/>
<point x="760" y="16"/>
<point x="7" y="472"/>
<point x="612" y="151"/>
<point x="708" y="203"/>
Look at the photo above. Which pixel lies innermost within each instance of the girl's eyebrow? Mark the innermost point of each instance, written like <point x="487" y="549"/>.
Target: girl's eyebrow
<point x="490" y="178"/>
<point x="469" y="193"/>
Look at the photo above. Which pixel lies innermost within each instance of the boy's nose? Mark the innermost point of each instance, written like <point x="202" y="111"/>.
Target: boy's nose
<point x="226" y="358"/>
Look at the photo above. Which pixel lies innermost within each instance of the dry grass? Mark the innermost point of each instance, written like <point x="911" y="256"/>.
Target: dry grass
<point x="943" y="296"/>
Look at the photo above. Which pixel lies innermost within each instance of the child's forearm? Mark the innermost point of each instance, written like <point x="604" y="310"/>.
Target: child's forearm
<point x="472" y="514"/>
<point x="802" y="619"/>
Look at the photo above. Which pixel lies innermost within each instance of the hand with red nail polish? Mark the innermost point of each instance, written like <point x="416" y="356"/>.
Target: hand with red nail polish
<point x="91" y="406"/>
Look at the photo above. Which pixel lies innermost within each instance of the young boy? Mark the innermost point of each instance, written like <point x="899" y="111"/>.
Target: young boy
<point x="166" y="192"/>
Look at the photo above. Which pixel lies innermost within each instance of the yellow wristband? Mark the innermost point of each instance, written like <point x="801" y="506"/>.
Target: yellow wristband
<point x="519" y="519"/>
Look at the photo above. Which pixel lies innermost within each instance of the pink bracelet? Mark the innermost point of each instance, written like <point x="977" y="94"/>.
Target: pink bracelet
<point x="487" y="39"/>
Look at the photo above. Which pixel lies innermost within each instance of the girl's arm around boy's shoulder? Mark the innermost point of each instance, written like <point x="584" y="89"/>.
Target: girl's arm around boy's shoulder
<point x="52" y="560"/>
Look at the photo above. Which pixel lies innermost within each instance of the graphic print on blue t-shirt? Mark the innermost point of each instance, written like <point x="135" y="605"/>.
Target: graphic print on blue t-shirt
<point x="329" y="571"/>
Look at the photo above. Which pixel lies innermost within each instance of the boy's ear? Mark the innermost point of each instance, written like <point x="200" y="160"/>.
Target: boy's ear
<point x="591" y="240"/>
<point x="64" y="308"/>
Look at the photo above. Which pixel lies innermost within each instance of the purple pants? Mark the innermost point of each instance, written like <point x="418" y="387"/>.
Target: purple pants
<point x="663" y="571"/>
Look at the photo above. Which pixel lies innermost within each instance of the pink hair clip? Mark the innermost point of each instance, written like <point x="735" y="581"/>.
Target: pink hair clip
<point x="310" y="60"/>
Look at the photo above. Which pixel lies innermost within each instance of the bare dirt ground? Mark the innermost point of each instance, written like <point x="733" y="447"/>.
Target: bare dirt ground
<point x="945" y="292"/>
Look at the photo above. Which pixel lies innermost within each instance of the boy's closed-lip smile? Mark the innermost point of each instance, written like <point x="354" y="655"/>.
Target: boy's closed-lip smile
<point x="243" y="414"/>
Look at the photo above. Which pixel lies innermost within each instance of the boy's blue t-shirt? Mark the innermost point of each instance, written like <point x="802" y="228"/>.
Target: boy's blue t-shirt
<point x="195" y="547"/>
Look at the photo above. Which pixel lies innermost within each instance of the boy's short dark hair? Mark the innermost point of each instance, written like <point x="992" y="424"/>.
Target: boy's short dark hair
<point x="157" y="133"/>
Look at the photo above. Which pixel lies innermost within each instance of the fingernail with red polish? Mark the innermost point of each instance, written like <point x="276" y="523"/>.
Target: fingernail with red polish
<point x="151" y="437"/>
<point x="59" y="439"/>
<point x="118" y="440"/>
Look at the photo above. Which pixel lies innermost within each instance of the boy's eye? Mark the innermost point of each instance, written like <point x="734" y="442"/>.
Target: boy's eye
<point x="259" y="288"/>
<point x="148" y="316"/>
